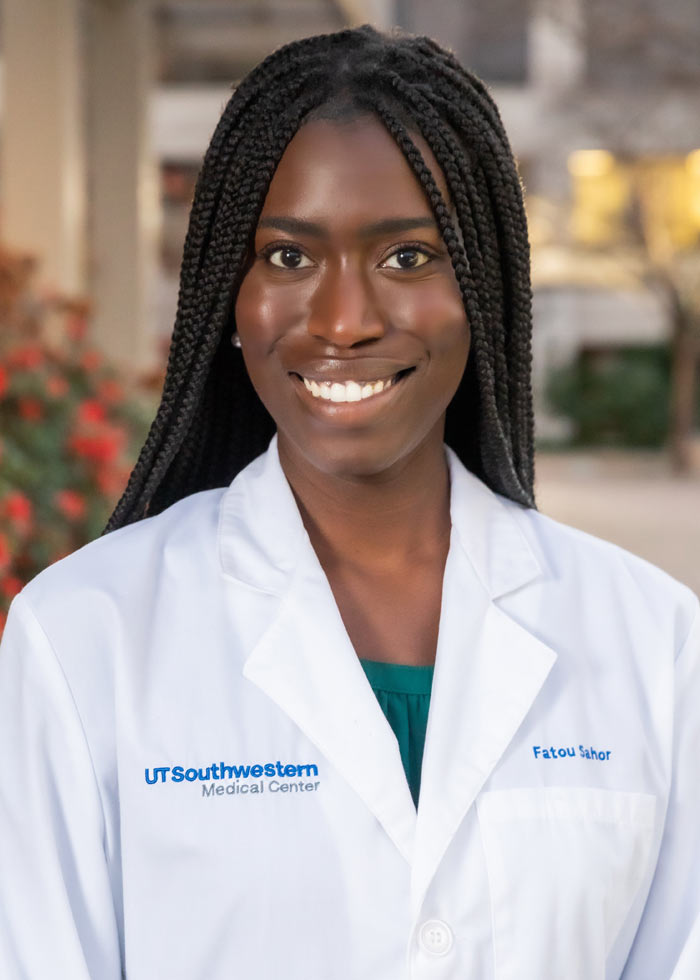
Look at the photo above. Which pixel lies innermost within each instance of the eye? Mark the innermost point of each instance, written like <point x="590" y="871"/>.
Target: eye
<point x="407" y="257"/>
<point x="287" y="257"/>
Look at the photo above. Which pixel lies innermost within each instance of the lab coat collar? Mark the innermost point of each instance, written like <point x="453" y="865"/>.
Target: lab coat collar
<point x="262" y="537"/>
<point x="489" y="668"/>
<point x="489" y="533"/>
<point x="304" y="660"/>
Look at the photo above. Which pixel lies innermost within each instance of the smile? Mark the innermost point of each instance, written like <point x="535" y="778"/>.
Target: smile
<point x="348" y="391"/>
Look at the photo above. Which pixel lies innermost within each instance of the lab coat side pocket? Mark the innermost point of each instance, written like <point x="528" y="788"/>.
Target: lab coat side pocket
<point x="564" y="865"/>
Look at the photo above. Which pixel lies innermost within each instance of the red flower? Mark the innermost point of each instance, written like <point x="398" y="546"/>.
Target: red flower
<point x="103" y="447"/>
<point x="26" y="357"/>
<point x="10" y="585"/>
<point x="76" y="326"/>
<point x="56" y="386"/>
<point x="4" y="380"/>
<point x="71" y="504"/>
<point x="17" y="507"/>
<point x="90" y="360"/>
<point x="30" y="409"/>
<point x="110" y="391"/>
<point x="111" y="481"/>
<point x="91" y="411"/>
<point x="4" y="553"/>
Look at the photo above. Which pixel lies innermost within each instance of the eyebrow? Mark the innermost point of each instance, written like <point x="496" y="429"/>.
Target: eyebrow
<point x="297" y="226"/>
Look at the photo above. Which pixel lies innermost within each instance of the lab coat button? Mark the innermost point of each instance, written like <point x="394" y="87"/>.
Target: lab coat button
<point x="435" y="937"/>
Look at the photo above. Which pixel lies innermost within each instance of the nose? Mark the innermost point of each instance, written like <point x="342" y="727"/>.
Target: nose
<point x="344" y="310"/>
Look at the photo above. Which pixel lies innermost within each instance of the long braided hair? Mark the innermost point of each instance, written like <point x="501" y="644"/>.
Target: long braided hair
<point x="210" y="422"/>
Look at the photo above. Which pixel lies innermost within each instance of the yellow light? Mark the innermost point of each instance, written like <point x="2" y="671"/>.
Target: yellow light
<point x="590" y="163"/>
<point x="692" y="163"/>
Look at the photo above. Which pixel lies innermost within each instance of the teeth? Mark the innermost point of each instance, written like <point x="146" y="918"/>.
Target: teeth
<point x="347" y="391"/>
<point x="353" y="392"/>
<point x="338" y="392"/>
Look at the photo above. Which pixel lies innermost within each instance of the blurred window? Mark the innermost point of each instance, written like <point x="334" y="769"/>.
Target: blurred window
<point x="632" y="43"/>
<point x="177" y="190"/>
<point x="496" y="41"/>
<point x="488" y="38"/>
<point x="655" y="199"/>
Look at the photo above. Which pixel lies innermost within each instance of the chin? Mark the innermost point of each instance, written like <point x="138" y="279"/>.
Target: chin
<point x="351" y="457"/>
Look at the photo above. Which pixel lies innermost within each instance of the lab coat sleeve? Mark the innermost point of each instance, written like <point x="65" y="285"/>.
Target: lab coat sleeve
<point x="667" y="944"/>
<point x="57" y="914"/>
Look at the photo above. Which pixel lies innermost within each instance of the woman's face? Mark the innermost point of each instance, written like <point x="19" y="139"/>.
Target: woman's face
<point x="350" y="319"/>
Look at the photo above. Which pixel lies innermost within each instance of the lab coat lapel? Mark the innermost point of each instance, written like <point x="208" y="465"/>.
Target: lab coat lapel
<point x="304" y="660"/>
<point x="489" y="669"/>
<point x="488" y="672"/>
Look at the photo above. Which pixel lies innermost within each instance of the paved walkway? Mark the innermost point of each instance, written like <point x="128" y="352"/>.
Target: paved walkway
<point x="633" y="499"/>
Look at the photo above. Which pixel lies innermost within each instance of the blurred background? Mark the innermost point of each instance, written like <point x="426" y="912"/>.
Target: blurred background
<point x="106" y="108"/>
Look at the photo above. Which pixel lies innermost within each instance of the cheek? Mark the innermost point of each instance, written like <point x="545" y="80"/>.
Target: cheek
<point x="254" y="318"/>
<point x="440" y="318"/>
<point x="435" y="312"/>
<point x="262" y="314"/>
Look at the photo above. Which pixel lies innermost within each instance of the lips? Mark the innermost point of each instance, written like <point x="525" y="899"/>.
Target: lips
<point x="331" y="386"/>
<point x="342" y="370"/>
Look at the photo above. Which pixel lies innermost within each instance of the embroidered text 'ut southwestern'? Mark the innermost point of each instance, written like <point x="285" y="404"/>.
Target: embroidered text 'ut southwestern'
<point x="219" y="770"/>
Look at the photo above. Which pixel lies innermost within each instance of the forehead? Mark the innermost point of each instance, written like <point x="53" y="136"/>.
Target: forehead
<point x="347" y="169"/>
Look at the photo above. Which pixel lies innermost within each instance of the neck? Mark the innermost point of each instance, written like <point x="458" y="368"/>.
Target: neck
<point x="378" y="522"/>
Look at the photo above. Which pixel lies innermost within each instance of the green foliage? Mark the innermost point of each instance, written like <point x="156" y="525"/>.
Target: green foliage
<point x="615" y="398"/>
<point x="71" y="428"/>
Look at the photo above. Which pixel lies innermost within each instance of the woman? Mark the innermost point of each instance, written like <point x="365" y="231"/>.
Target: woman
<point x="198" y="779"/>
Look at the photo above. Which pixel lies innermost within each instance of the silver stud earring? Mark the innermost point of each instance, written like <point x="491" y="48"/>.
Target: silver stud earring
<point x="236" y="340"/>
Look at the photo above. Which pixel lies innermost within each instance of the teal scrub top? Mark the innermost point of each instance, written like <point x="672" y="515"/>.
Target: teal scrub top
<point x="403" y="693"/>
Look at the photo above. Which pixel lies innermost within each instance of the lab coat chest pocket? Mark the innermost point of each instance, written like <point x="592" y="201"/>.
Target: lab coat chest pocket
<point x="564" y="865"/>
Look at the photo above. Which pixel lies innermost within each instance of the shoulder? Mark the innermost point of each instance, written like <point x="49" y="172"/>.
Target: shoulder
<point x="592" y="568"/>
<point x="76" y="626"/>
<point x="131" y="559"/>
<point x="558" y="576"/>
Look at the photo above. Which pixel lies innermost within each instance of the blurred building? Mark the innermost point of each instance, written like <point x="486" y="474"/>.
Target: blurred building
<point x="601" y="102"/>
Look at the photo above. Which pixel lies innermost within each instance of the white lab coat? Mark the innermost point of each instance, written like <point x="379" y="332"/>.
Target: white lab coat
<point x="207" y="636"/>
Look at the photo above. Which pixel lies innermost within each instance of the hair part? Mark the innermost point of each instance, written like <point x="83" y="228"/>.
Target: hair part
<point x="210" y="422"/>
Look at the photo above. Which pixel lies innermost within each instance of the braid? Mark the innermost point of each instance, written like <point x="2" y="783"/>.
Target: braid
<point x="210" y="422"/>
<point x="483" y="271"/>
<point x="465" y="274"/>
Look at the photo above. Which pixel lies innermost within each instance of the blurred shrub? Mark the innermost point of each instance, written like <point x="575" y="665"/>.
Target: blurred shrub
<point x="615" y="397"/>
<point x="70" y="428"/>
<point x="69" y="437"/>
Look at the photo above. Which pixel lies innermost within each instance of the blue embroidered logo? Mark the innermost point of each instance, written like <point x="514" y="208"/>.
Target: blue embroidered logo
<point x="569" y="751"/>
<point x="240" y="778"/>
